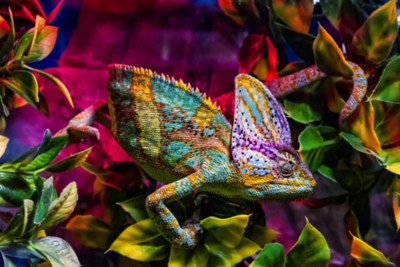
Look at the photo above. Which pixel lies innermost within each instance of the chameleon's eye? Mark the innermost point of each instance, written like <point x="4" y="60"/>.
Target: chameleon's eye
<point x="287" y="165"/>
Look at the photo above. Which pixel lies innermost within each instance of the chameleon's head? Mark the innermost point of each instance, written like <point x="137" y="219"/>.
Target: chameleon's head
<point x="261" y="146"/>
<point x="271" y="171"/>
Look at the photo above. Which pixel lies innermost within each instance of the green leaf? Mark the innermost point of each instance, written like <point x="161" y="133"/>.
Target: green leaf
<point x="225" y="256"/>
<point x="261" y="234"/>
<point x="197" y="257"/>
<point x="54" y="80"/>
<point x="296" y="14"/>
<point x="356" y="143"/>
<point x="42" y="45"/>
<point x="70" y="162"/>
<point x="23" y="45"/>
<point x="31" y="153"/>
<point x="47" y="154"/>
<point x="229" y="232"/>
<point x="301" y="112"/>
<point x="375" y="38"/>
<point x="347" y="177"/>
<point x="24" y="84"/>
<point x="8" y="45"/>
<point x="18" y="223"/>
<point x="61" y="208"/>
<point x="141" y="241"/>
<point x="388" y="87"/>
<point x="272" y="255"/>
<point x="91" y="231"/>
<point x="311" y="249"/>
<point x="344" y="15"/>
<point x="391" y="159"/>
<point x="3" y="144"/>
<point x="365" y="254"/>
<point x="135" y="207"/>
<point x="56" y="250"/>
<point x="328" y="56"/>
<point x="315" y="144"/>
<point x="14" y="189"/>
<point x="44" y="201"/>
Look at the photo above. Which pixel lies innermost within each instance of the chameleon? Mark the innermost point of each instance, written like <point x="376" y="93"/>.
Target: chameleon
<point x="179" y="137"/>
<point x="287" y="84"/>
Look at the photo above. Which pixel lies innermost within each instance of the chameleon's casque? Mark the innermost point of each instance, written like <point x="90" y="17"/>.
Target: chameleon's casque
<point x="179" y="137"/>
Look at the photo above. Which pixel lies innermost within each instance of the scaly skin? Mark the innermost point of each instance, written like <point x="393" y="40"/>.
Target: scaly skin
<point x="179" y="137"/>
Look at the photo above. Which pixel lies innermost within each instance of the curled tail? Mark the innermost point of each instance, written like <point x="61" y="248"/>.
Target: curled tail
<point x="290" y="83"/>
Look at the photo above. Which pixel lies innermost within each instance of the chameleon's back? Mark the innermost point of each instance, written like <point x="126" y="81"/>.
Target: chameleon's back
<point x="165" y="125"/>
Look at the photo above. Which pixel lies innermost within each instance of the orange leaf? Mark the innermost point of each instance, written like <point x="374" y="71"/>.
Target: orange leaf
<point x="4" y="27"/>
<point x="362" y="124"/>
<point x="328" y="56"/>
<point x="365" y="254"/>
<point x="295" y="13"/>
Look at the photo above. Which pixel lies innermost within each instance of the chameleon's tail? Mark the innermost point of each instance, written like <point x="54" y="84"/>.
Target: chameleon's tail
<point x="290" y="83"/>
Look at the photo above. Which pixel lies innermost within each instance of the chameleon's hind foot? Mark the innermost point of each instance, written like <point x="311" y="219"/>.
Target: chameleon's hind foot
<point x="192" y="234"/>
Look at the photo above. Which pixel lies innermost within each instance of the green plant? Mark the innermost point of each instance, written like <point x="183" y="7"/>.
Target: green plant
<point x="30" y="204"/>
<point x="18" y="84"/>
<point x="362" y="155"/>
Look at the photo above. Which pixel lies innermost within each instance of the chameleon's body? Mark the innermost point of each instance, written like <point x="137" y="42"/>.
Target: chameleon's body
<point x="179" y="137"/>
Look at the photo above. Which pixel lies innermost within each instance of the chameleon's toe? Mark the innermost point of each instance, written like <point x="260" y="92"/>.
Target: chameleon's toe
<point x="191" y="236"/>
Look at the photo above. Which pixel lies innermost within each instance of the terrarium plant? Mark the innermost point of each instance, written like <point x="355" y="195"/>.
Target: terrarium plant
<point x="29" y="202"/>
<point x="361" y="155"/>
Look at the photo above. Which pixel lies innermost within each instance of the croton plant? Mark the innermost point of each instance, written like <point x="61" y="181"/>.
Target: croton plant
<point x="362" y="156"/>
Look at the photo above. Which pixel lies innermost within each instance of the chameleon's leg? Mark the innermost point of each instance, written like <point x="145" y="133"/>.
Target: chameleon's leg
<point x="167" y="224"/>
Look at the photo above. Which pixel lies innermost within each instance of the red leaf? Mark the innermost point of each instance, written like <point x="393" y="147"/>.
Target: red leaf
<point x="54" y="12"/>
<point x="272" y="60"/>
<point x="251" y="52"/>
<point x="226" y="103"/>
<point x="4" y="27"/>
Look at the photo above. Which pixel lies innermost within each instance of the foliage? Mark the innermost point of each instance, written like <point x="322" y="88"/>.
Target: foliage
<point x="30" y="205"/>
<point x="361" y="154"/>
<point x="311" y="249"/>
<point x="231" y="233"/>
<point x="20" y="47"/>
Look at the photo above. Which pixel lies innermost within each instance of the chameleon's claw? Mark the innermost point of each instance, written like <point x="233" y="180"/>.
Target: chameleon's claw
<point x="192" y="234"/>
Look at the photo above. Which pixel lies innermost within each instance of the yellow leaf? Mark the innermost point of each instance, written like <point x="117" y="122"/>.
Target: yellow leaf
<point x="362" y="124"/>
<point x="396" y="210"/>
<point x="141" y="241"/>
<point x="61" y="208"/>
<point x="328" y="56"/>
<point x="3" y="144"/>
<point x="365" y="254"/>
<point x="375" y="38"/>
<point x="228" y="231"/>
